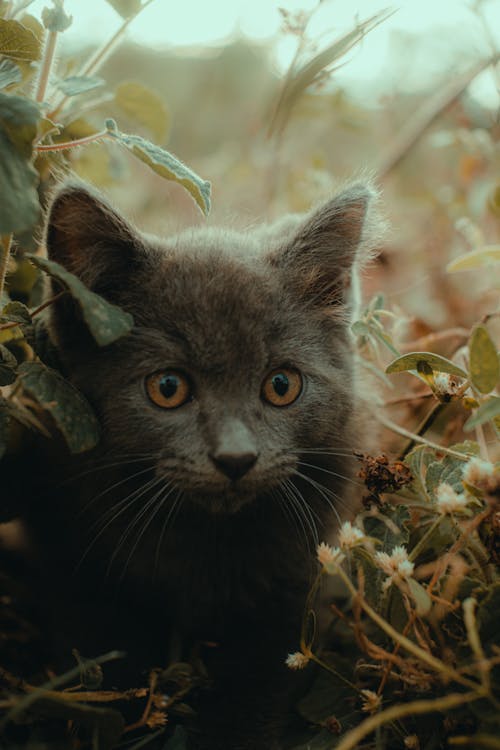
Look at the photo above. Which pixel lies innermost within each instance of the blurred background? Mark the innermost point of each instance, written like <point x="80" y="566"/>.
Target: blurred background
<point x="277" y="103"/>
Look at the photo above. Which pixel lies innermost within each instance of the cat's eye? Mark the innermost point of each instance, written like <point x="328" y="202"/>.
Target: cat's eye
<point x="168" y="389"/>
<point x="282" y="386"/>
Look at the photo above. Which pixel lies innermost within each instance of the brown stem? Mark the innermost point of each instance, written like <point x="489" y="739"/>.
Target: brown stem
<point x="48" y="57"/>
<point x="73" y="144"/>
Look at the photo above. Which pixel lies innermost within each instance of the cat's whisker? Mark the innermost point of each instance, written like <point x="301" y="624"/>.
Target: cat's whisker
<point x="337" y="474"/>
<point x="307" y="525"/>
<point x="171" y="515"/>
<point x="323" y="491"/>
<point x="124" y="504"/>
<point x="155" y="504"/>
<point x="134" y="521"/>
<point x="112" y="487"/>
<point x="308" y="512"/>
<point x="101" y="465"/>
<point x="284" y="505"/>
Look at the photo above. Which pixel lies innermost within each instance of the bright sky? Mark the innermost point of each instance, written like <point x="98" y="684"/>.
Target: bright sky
<point x="449" y="28"/>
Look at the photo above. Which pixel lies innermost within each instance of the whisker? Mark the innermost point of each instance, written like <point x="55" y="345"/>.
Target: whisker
<point x="112" y="487"/>
<point x="323" y="492"/>
<point x="309" y="513"/>
<point x="331" y="473"/>
<point x="172" y="513"/>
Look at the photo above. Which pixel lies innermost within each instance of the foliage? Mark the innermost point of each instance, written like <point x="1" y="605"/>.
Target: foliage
<point x="415" y="632"/>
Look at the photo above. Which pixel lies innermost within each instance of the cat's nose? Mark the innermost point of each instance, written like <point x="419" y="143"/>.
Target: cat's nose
<point x="234" y="465"/>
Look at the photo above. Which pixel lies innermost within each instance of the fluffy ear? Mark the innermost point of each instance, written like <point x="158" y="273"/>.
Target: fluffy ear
<point x="91" y="240"/>
<point x="321" y="258"/>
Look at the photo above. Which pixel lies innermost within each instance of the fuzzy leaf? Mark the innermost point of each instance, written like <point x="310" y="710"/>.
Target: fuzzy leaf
<point x="9" y="73"/>
<point x="435" y="361"/>
<point x="164" y="164"/>
<point x="15" y="312"/>
<point x="484" y="364"/>
<point x="484" y="257"/>
<point x="56" y="19"/>
<point x="126" y="8"/>
<point x="144" y="106"/>
<point x="74" y="85"/>
<point x="106" y="322"/>
<point x="487" y="411"/>
<point x="69" y="409"/>
<point x="18" y="42"/>
<point x="19" y="207"/>
<point x="7" y="358"/>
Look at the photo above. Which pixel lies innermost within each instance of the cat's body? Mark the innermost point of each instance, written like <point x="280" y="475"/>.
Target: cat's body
<point x="229" y="418"/>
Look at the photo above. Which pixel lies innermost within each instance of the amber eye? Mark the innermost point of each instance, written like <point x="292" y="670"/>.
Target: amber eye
<point x="282" y="387"/>
<point x="168" y="389"/>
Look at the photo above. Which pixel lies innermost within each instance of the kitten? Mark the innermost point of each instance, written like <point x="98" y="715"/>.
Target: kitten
<point x="229" y="418"/>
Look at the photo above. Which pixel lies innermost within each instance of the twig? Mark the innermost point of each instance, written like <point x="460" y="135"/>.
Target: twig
<point x="36" y="311"/>
<point x="418" y="439"/>
<point x="369" y="725"/>
<point x="48" y="57"/>
<point x="417" y="125"/>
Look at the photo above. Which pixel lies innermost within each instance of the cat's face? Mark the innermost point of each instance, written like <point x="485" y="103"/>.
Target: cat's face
<point x="239" y="362"/>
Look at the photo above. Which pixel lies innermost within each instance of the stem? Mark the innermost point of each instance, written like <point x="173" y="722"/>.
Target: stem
<point x="431" y="661"/>
<point x="422" y="441"/>
<point x="447" y="702"/>
<point x="4" y="259"/>
<point x="48" y="57"/>
<point x="36" y="311"/>
<point x="99" y="57"/>
<point x="73" y="144"/>
<point x="415" y="551"/>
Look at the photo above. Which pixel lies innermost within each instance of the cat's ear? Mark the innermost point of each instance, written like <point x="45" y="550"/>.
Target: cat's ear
<point x="90" y="239"/>
<point x="321" y="255"/>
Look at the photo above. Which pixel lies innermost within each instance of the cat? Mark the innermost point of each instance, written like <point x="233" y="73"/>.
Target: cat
<point x="229" y="417"/>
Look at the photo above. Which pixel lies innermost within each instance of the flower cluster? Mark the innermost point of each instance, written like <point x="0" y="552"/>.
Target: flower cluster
<point x="448" y="501"/>
<point x="397" y="566"/>
<point x="329" y="557"/>
<point x="482" y="475"/>
<point x="297" y="660"/>
<point x="350" y="536"/>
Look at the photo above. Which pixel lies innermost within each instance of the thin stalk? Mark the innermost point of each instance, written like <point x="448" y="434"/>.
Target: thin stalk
<point x="48" y="58"/>
<point x="418" y="439"/>
<point x="4" y="259"/>
<point x="100" y="56"/>
<point x="426" y="706"/>
<point x="421" y="544"/>
<point x="73" y="144"/>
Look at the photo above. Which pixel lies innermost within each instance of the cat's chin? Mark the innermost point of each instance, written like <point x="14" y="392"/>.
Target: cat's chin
<point x="226" y="502"/>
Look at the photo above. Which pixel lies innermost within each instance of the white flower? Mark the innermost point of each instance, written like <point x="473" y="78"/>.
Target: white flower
<point x="329" y="557"/>
<point x="397" y="565"/>
<point x="297" y="660"/>
<point x="371" y="702"/>
<point x="349" y="536"/>
<point x="481" y="474"/>
<point x="449" y="501"/>
<point x="445" y="385"/>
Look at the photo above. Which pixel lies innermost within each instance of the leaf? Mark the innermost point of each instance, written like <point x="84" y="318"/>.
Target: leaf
<point x="483" y="257"/>
<point x="19" y="207"/>
<point x="74" y="85"/>
<point x="164" y="164"/>
<point x="56" y="19"/>
<point x="18" y="42"/>
<point x="7" y="357"/>
<point x="15" y="312"/>
<point x="68" y="407"/>
<point x="4" y="426"/>
<point x="487" y="411"/>
<point x="9" y="73"/>
<point x="106" y="322"/>
<point x="435" y="361"/>
<point x="299" y="80"/>
<point x="484" y="364"/>
<point x="144" y="106"/>
<point x="126" y="8"/>
<point x="7" y="375"/>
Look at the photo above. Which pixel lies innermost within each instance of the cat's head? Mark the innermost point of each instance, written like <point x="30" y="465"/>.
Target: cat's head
<point x="240" y="359"/>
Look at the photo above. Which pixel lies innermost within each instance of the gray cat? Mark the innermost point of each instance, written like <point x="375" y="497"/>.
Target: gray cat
<point x="229" y="418"/>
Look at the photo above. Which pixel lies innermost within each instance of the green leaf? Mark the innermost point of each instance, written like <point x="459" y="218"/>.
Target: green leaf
<point x="164" y="164"/>
<point x="74" y="85"/>
<point x="4" y="426"/>
<point x="7" y="375"/>
<point x="435" y="361"/>
<point x="7" y="358"/>
<point x="484" y="257"/>
<point x="19" y="207"/>
<point x="18" y="42"/>
<point x="126" y="8"/>
<point x="9" y="73"/>
<point x="487" y="411"/>
<point x="56" y="19"/>
<point x="360" y="328"/>
<point x="144" y="106"/>
<point x="15" y="312"/>
<point x="484" y="364"/>
<point x="69" y="409"/>
<point x="106" y="322"/>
